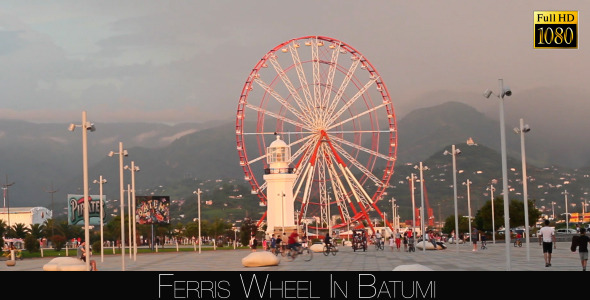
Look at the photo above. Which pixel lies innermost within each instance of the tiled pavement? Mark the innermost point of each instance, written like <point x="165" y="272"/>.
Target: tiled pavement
<point x="452" y="259"/>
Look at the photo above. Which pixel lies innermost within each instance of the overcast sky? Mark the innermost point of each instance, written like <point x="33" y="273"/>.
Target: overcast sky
<point x="186" y="61"/>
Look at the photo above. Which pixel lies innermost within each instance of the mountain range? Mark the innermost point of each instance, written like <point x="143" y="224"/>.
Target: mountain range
<point x="43" y="158"/>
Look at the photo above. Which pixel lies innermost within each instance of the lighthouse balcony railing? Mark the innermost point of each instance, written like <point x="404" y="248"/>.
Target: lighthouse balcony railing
<point x="278" y="171"/>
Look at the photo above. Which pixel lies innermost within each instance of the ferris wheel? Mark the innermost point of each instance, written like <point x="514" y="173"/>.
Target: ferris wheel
<point x="331" y="106"/>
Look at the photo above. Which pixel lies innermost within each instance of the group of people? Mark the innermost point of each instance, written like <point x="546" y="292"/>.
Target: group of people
<point x="579" y="243"/>
<point x="278" y="242"/>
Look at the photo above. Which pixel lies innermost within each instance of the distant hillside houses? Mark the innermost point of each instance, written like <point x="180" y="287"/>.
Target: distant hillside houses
<point x="25" y="215"/>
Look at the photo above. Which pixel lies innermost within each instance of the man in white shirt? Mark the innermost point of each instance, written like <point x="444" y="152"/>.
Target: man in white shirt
<point x="547" y="237"/>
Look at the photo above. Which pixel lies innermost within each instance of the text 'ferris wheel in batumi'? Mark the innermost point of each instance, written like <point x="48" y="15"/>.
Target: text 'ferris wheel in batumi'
<point x="331" y="106"/>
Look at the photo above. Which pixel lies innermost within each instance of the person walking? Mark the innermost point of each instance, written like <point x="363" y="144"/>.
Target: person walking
<point x="253" y="243"/>
<point x="391" y="242"/>
<point x="581" y="243"/>
<point x="398" y="239"/>
<point x="547" y="237"/>
<point x="474" y="238"/>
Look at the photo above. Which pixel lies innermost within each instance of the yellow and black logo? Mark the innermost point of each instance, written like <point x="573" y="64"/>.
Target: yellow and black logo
<point x="556" y="29"/>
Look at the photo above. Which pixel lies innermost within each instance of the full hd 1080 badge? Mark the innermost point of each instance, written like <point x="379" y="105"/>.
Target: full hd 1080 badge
<point x="556" y="29"/>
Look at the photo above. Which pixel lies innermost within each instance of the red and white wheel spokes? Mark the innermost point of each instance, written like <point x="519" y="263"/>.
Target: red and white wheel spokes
<point x="332" y="108"/>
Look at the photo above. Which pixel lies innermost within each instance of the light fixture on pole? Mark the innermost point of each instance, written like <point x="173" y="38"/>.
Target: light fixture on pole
<point x="504" y="91"/>
<point x="122" y="152"/>
<point x="454" y="152"/>
<point x="521" y="130"/>
<point x="468" y="184"/>
<point x="198" y="193"/>
<point x="132" y="214"/>
<point x="412" y="178"/>
<point x="86" y="126"/>
<point x="422" y="168"/>
<point x="101" y="181"/>
<point x="492" y="189"/>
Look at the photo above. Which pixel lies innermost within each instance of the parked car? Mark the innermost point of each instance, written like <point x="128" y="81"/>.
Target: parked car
<point x="566" y="231"/>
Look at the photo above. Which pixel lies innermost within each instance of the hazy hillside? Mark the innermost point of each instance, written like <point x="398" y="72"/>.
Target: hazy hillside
<point x="37" y="155"/>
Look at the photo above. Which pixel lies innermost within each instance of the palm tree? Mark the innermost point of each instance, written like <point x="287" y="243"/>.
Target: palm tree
<point x="38" y="230"/>
<point x="20" y="230"/>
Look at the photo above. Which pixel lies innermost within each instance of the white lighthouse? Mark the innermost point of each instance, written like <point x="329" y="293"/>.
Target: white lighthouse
<point x="280" y="180"/>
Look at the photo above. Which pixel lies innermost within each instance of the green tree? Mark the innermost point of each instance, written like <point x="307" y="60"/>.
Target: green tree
<point x="38" y="230"/>
<point x="483" y="218"/>
<point x="450" y="224"/>
<point x="20" y="230"/>
<point x="32" y="243"/>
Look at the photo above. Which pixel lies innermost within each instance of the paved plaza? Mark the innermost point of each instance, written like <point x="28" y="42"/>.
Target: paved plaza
<point x="491" y="259"/>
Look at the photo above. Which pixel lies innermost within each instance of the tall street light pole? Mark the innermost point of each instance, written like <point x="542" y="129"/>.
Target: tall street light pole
<point x="422" y="227"/>
<point x="567" y="221"/>
<point x="85" y="127"/>
<point x="129" y="221"/>
<point x="504" y="91"/>
<point x="132" y="214"/>
<point x="6" y="200"/>
<point x="101" y="181"/>
<point x="468" y="184"/>
<point x="122" y="152"/>
<point x="454" y="152"/>
<point x="522" y="129"/>
<point x="492" y="189"/>
<point x="52" y="191"/>
<point x="412" y="178"/>
<point x="198" y="193"/>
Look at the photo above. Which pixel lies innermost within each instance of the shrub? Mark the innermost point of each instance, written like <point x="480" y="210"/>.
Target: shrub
<point x="96" y="246"/>
<point x="32" y="244"/>
<point x="58" y="242"/>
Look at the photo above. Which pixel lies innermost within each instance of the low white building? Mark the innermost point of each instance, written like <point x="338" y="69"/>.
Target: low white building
<point x="25" y="215"/>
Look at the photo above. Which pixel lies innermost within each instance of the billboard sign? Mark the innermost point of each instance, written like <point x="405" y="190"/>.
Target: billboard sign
<point x="152" y="209"/>
<point x="76" y="209"/>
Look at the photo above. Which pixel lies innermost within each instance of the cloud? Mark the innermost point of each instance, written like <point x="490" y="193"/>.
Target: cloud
<point x="183" y="61"/>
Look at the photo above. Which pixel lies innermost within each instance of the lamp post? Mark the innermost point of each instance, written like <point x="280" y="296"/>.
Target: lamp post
<point x="132" y="214"/>
<point x="129" y="220"/>
<point x="5" y="188"/>
<point x="567" y="221"/>
<point x="101" y="181"/>
<point x="393" y="215"/>
<point x="122" y="152"/>
<point x="504" y="91"/>
<point x="198" y="193"/>
<point x="422" y="227"/>
<point x="85" y="127"/>
<point x="283" y="211"/>
<point x="412" y="178"/>
<point x="553" y="209"/>
<point x="468" y="184"/>
<point x="454" y="152"/>
<point x="52" y="191"/>
<point x="522" y="129"/>
<point x="492" y="189"/>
